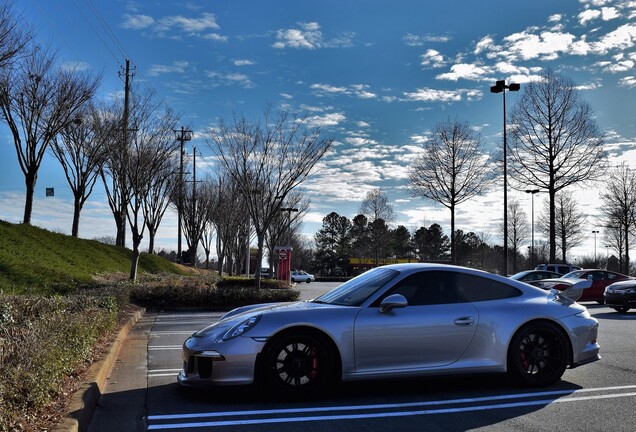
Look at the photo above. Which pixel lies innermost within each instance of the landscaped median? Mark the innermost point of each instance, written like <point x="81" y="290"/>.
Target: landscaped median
<point x="48" y="343"/>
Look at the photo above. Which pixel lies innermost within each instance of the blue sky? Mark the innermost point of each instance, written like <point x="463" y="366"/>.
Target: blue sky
<point x="378" y="75"/>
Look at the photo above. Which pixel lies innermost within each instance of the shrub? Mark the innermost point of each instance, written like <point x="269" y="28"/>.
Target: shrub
<point x="43" y="340"/>
<point x="208" y="292"/>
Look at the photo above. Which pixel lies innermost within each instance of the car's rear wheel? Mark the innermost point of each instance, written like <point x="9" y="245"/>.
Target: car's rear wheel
<point x="298" y="364"/>
<point x="621" y="309"/>
<point x="538" y="354"/>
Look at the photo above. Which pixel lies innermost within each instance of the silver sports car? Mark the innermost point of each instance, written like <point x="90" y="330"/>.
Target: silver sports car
<point x="400" y="320"/>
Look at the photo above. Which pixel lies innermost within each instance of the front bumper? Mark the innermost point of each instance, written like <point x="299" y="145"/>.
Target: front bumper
<point x="618" y="299"/>
<point x="223" y="363"/>
<point x="583" y="334"/>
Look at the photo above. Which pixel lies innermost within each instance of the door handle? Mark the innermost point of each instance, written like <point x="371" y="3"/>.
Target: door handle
<point x="464" y="321"/>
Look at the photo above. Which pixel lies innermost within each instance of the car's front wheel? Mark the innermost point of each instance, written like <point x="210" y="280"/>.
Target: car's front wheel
<point x="621" y="309"/>
<point x="308" y="280"/>
<point x="538" y="354"/>
<point x="298" y="364"/>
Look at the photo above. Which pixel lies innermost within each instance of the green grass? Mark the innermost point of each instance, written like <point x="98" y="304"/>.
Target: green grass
<point x="37" y="261"/>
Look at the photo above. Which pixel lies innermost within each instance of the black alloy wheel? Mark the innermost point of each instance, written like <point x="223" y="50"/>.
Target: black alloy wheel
<point x="538" y="354"/>
<point x="298" y="364"/>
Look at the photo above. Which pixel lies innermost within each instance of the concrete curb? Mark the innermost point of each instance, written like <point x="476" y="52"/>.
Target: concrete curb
<point x="85" y="399"/>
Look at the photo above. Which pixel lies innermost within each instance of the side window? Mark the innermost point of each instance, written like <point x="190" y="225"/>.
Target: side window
<point x="612" y="276"/>
<point x="476" y="288"/>
<point x="426" y="288"/>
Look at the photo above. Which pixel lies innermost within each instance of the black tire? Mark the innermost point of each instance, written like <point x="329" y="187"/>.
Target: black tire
<point x="292" y="279"/>
<point x="622" y="309"/>
<point x="308" y="280"/>
<point x="600" y="302"/>
<point x="538" y="354"/>
<point x="298" y="364"/>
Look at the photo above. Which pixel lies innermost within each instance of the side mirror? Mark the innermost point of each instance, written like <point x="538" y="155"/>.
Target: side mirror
<point x="393" y="301"/>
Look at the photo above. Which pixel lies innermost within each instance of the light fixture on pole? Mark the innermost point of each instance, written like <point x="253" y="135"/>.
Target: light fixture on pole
<point x="532" y="191"/>
<point x="595" y="232"/>
<point x="501" y="87"/>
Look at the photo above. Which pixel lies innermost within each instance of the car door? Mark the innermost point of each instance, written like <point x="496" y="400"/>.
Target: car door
<point x="435" y="328"/>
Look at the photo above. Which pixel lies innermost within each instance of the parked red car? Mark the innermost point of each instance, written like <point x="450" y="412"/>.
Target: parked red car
<point x="600" y="279"/>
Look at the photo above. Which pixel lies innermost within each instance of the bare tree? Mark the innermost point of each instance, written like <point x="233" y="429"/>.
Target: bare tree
<point x="517" y="228"/>
<point x="227" y="219"/>
<point x="157" y="200"/>
<point x="376" y="206"/>
<point x="555" y="141"/>
<point x="451" y="169"/>
<point x="286" y="225"/>
<point x="13" y="38"/>
<point x="81" y="151"/>
<point x="209" y="201"/>
<point x="150" y="156"/>
<point x="619" y="208"/>
<point x="268" y="160"/>
<point x="38" y="100"/>
<point x="568" y="222"/>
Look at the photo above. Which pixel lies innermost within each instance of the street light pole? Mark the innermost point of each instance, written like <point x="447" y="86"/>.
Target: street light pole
<point x="595" y="232"/>
<point x="532" y="191"/>
<point x="501" y="87"/>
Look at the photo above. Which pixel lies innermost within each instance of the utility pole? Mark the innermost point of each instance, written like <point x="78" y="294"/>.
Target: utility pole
<point x="182" y="136"/>
<point x="121" y="234"/>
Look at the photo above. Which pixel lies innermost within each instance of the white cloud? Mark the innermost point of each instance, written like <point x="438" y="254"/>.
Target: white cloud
<point x="432" y="58"/>
<point x="629" y="81"/>
<point x="243" y="62"/>
<point x="175" y="67"/>
<point x="189" y="25"/>
<point x="358" y="90"/>
<point x="419" y="40"/>
<point x="588" y="15"/>
<point x="137" y="22"/>
<point x="464" y="71"/>
<point x="331" y="119"/>
<point x="227" y="79"/>
<point x="309" y="36"/>
<point x="433" y="95"/>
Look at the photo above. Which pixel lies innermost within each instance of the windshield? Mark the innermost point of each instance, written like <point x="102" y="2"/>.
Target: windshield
<point x="520" y="274"/>
<point x="355" y="291"/>
<point x="573" y="275"/>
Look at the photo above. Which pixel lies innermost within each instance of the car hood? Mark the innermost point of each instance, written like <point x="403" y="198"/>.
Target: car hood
<point x="624" y="284"/>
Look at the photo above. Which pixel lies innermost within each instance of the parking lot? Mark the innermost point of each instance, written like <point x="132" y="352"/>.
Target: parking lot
<point x="599" y="396"/>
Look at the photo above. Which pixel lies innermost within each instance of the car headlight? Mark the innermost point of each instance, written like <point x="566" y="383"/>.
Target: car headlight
<point x="630" y="291"/>
<point x="241" y="328"/>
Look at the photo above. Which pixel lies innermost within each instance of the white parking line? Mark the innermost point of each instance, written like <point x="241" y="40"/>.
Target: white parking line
<point x="385" y="414"/>
<point x="163" y="373"/>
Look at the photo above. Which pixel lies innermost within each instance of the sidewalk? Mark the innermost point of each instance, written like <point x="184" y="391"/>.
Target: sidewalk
<point x="122" y="406"/>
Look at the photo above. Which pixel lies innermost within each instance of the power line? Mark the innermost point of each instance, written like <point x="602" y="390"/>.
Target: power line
<point x="96" y="32"/>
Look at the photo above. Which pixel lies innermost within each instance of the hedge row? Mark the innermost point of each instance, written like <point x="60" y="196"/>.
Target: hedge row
<point x="42" y="341"/>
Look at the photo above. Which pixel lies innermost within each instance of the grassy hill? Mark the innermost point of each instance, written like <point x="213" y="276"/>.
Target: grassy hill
<point x="37" y="261"/>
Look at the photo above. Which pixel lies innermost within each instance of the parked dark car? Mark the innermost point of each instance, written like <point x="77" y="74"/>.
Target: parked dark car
<point x="600" y="279"/>
<point x="621" y="296"/>
<point x="535" y="275"/>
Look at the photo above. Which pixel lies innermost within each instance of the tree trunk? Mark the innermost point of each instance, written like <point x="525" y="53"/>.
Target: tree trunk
<point x="29" y="179"/>
<point x="552" y="227"/>
<point x="453" y="245"/>
<point x="134" y="262"/>
<point x="77" y="208"/>
<point x="626" y="249"/>
<point x="151" y="240"/>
